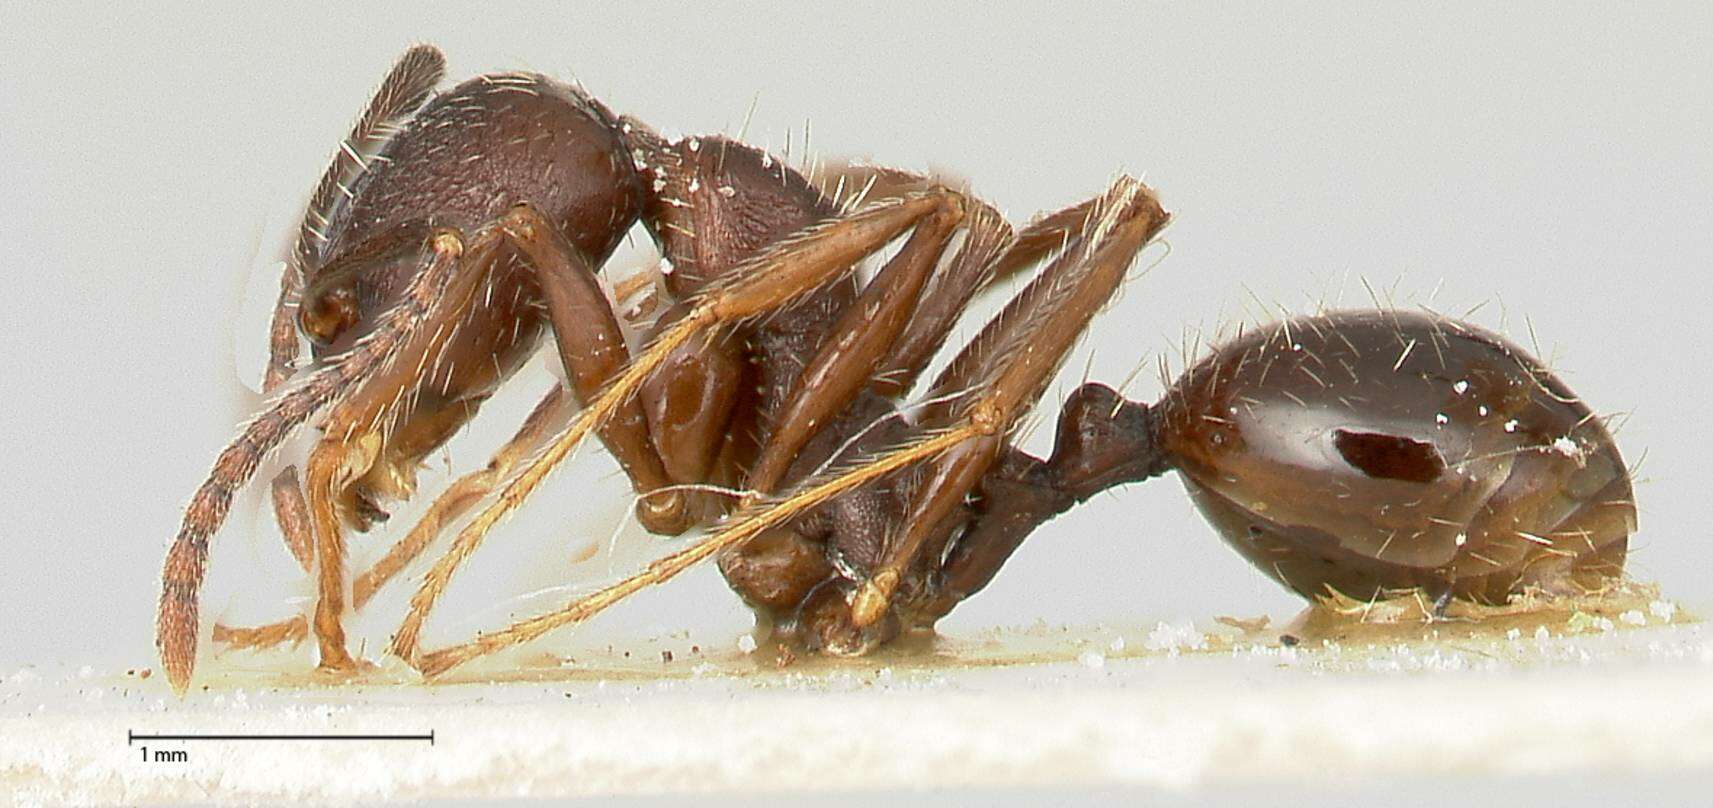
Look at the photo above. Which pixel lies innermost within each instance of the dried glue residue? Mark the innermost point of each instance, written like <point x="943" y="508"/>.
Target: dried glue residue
<point x="1335" y="635"/>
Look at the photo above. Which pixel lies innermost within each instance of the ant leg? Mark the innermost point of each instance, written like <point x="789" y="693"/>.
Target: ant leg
<point x="1103" y="440"/>
<point x="756" y="569"/>
<point x="1044" y="236"/>
<point x="404" y="89"/>
<point x="592" y="348"/>
<point x="291" y="513"/>
<point x="641" y="283"/>
<point x="336" y="461"/>
<point x="470" y="489"/>
<point x="1026" y="494"/>
<point x="1004" y="370"/>
<point x="290" y="630"/>
<point x="543" y="422"/>
<point x="187" y="559"/>
<point x="291" y="508"/>
<point x="1015" y="497"/>
<point x="986" y="236"/>
<point x="353" y="430"/>
<point x="406" y="86"/>
<point x="772" y="279"/>
<point x="1046" y="317"/>
<point x="969" y="275"/>
<point x="591" y="352"/>
<point x="854" y="347"/>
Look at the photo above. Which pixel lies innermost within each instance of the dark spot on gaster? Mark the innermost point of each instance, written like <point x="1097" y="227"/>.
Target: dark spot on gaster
<point x="1390" y="457"/>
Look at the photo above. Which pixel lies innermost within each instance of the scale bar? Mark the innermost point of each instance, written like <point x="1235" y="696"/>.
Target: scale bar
<point x="132" y="737"/>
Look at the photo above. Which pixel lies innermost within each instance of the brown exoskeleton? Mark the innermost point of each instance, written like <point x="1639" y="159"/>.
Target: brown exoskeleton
<point x="456" y="226"/>
<point x="456" y="229"/>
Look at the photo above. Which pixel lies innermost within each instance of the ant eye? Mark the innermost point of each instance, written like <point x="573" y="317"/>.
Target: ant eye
<point x="1390" y="457"/>
<point x="324" y="316"/>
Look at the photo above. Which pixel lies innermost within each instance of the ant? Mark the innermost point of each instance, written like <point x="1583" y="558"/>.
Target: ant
<point x="1357" y="451"/>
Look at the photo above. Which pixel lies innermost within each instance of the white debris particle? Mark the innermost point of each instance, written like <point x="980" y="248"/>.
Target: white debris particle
<point x="1633" y="617"/>
<point x="695" y="185"/>
<point x="1172" y="639"/>
<point x="1514" y="634"/>
<point x="695" y="144"/>
<point x="1441" y="418"/>
<point x="1542" y="635"/>
<point x="1435" y="660"/>
<point x="746" y="644"/>
<point x="1116" y="646"/>
<point x="1461" y="387"/>
<point x="1511" y="425"/>
<point x="666" y="267"/>
<point x="1662" y="609"/>
<point x="1093" y="660"/>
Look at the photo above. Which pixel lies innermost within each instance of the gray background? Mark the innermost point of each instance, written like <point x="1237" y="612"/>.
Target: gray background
<point x="1551" y="162"/>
